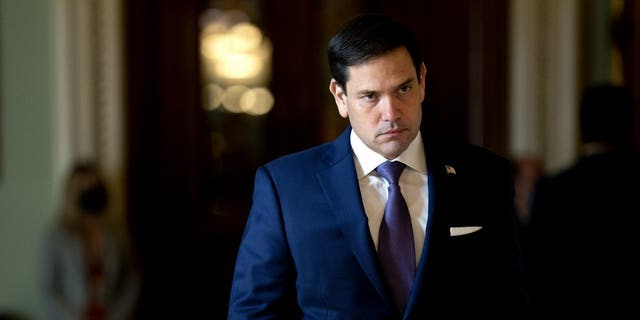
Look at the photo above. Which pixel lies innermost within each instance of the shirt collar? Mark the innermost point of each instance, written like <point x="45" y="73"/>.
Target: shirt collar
<point x="368" y="160"/>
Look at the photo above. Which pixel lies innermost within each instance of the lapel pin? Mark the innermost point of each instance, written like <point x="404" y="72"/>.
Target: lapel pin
<point x="450" y="170"/>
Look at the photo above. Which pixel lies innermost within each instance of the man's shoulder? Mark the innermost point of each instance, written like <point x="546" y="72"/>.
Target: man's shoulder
<point x="319" y="155"/>
<point x="468" y="154"/>
<point x="308" y="155"/>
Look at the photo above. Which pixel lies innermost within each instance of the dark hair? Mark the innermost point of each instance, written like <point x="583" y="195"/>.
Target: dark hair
<point x="606" y="114"/>
<point x="93" y="199"/>
<point x="368" y="36"/>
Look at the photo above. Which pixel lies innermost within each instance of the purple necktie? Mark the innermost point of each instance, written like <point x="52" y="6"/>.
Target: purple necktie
<point x="395" y="242"/>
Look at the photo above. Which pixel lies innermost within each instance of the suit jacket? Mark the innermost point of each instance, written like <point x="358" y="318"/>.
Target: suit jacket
<point x="582" y="237"/>
<point x="307" y="251"/>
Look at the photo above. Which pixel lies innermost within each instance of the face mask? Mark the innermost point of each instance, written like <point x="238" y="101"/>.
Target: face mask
<point x="93" y="200"/>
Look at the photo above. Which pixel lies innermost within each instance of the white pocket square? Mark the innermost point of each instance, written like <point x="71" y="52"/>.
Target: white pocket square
<point x="459" y="231"/>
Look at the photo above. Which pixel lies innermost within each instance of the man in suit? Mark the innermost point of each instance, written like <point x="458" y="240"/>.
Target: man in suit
<point x="582" y="251"/>
<point x="317" y="242"/>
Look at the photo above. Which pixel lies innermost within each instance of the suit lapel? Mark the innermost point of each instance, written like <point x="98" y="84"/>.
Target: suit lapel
<point x="340" y="185"/>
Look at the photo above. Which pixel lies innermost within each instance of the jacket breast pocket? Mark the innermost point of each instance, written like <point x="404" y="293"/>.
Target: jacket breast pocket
<point x="468" y="241"/>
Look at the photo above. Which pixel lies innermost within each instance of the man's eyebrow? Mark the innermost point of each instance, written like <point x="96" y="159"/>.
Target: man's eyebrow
<point x="365" y="92"/>
<point x="406" y="82"/>
<point x="368" y="92"/>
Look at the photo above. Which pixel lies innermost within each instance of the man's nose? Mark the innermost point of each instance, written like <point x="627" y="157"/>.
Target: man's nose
<point x="391" y="109"/>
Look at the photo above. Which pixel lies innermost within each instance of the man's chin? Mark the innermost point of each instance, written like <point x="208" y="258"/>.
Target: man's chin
<point x="392" y="149"/>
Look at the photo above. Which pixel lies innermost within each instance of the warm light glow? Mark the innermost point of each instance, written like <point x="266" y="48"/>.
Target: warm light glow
<point x="246" y="37"/>
<point x="257" y="101"/>
<point x="213" y="96"/>
<point x="236" y="56"/>
<point x="231" y="98"/>
<point x="215" y="45"/>
<point x="239" y="65"/>
<point x="236" y="53"/>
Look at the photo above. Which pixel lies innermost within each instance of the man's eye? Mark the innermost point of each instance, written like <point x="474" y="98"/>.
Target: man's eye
<point x="369" y="97"/>
<point x="405" y="89"/>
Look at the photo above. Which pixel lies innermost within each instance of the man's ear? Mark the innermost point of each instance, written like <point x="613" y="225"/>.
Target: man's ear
<point x="340" y="96"/>
<point x="423" y="80"/>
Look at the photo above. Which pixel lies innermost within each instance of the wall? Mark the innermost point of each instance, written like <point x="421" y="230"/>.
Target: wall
<point x="26" y="174"/>
<point x="543" y="81"/>
<point x="557" y="49"/>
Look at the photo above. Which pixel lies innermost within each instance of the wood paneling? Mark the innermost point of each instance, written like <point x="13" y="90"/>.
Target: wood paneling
<point x="627" y="35"/>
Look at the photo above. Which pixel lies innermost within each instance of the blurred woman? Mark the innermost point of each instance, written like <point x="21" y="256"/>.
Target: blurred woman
<point x="88" y="271"/>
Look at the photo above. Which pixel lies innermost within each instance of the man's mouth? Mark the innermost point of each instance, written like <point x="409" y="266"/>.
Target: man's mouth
<point x="392" y="133"/>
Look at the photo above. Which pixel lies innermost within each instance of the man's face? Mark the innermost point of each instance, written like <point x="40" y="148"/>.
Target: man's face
<point x="382" y="100"/>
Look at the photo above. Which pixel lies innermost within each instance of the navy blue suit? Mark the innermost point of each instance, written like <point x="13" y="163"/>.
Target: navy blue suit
<point x="307" y="250"/>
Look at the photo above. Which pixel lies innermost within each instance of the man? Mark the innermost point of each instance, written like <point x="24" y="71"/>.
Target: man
<point x="582" y="238"/>
<point x="323" y="242"/>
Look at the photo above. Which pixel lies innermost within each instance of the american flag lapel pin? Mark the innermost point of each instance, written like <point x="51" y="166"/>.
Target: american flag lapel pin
<point x="450" y="170"/>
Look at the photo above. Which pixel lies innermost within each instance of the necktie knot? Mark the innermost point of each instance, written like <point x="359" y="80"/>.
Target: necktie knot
<point x="391" y="170"/>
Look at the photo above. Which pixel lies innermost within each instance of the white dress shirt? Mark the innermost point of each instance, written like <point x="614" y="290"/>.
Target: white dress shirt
<point x="374" y="188"/>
